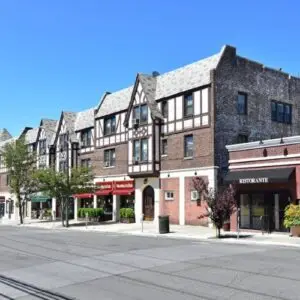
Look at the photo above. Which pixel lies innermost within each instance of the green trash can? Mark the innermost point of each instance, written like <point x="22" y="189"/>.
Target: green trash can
<point x="164" y="224"/>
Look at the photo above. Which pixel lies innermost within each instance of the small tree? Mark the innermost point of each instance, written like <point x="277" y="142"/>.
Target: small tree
<point x="62" y="187"/>
<point x="220" y="205"/>
<point x="20" y="164"/>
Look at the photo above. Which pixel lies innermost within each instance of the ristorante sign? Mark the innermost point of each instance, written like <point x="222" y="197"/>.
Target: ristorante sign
<point x="253" y="180"/>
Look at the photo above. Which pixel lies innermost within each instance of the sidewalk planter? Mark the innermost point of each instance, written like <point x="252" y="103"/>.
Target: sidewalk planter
<point x="292" y="219"/>
<point x="127" y="215"/>
<point x="226" y="226"/>
<point x="94" y="214"/>
<point x="164" y="224"/>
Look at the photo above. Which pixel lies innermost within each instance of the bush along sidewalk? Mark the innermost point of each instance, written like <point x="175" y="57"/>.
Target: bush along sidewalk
<point x="127" y="215"/>
<point x="292" y="219"/>
<point x="94" y="214"/>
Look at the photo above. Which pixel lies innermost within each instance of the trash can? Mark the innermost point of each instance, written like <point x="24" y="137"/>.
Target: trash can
<point x="164" y="224"/>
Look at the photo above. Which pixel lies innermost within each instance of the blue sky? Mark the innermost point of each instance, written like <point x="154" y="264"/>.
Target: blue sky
<point x="63" y="54"/>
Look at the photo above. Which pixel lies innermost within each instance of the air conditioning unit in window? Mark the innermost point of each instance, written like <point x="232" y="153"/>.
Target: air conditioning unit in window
<point x="106" y="164"/>
<point x="136" y="123"/>
<point x="194" y="195"/>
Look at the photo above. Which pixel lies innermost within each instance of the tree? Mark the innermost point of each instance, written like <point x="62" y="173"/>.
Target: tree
<point x="220" y="205"/>
<point x="20" y="164"/>
<point x="62" y="187"/>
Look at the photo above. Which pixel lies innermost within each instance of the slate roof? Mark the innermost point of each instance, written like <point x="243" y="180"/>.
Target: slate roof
<point x="84" y="119"/>
<point x="185" y="78"/>
<point x="4" y="135"/>
<point x="49" y="127"/>
<point x="114" y="102"/>
<point x="70" y="119"/>
<point x="31" y="135"/>
<point x="3" y="143"/>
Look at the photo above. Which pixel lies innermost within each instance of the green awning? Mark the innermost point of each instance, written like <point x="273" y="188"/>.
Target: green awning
<point x="39" y="197"/>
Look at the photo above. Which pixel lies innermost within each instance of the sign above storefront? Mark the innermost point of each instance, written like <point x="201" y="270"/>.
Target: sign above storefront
<point x="253" y="180"/>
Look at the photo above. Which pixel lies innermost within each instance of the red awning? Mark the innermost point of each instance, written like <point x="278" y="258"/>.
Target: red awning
<point x="124" y="191"/>
<point x="83" y="196"/>
<point x="103" y="192"/>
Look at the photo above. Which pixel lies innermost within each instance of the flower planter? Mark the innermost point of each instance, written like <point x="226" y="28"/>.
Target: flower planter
<point x="295" y="231"/>
<point x="127" y="220"/>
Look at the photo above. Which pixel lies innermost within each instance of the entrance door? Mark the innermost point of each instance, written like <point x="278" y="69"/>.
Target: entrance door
<point x="148" y="203"/>
<point x="2" y="209"/>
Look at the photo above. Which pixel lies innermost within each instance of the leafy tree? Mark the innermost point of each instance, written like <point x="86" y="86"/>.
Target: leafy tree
<point x="61" y="186"/>
<point x="220" y="205"/>
<point x="20" y="164"/>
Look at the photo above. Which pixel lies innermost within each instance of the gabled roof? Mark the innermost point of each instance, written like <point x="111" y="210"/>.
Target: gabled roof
<point x="31" y="135"/>
<point x="85" y="119"/>
<point x="114" y="102"/>
<point x="188" y="77"/>
<point x="49" y="127"/>
<point x="4" y="135"/>
<point x="3" y="143"/>
<point x="70" y="118"/>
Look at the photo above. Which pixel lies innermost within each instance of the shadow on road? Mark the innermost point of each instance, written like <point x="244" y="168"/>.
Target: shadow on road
<point x="32" y="290"/>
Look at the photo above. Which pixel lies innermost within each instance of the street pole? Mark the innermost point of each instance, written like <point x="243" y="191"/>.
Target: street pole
<point x="68" y="181"/>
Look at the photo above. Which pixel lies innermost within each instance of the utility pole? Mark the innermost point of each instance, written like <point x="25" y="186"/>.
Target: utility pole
<point x="68" y="180"/>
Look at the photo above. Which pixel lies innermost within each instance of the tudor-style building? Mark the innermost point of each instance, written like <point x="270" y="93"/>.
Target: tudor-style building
<point x="165" y="129"/>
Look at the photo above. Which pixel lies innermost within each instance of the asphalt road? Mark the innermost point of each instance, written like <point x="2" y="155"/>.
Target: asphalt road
<point x="60" y="265"/>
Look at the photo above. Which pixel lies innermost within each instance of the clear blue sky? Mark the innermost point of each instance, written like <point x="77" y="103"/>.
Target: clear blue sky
<point x="63" y="54"/>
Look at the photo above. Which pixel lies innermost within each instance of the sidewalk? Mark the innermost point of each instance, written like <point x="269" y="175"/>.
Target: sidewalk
<point x="150" y="229"/>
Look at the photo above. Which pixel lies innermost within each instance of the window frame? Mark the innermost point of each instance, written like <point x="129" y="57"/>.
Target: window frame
<point x="165" y="108"/>
<point x="245" y="106"/>
<point x="169" y="197"/>
<point x="86" y="138"/>
<point x="112" y="158"/>
<point x="185" y="107"/>
<point x="42" y="146"/>
<point x="86" y="163"/>
<point x="164" y="151"/>
<point x="139" y="142"/>
<point x="282" y="117"/>
<point x="137" y="113"/>
<point x="185" y="146"/>
<point x="112" y="121"/>
<point x="63" y="141"/>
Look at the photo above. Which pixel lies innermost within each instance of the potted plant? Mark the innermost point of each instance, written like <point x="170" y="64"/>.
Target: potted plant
<point x="127" y="215"/>
<point x="292" y="219"/>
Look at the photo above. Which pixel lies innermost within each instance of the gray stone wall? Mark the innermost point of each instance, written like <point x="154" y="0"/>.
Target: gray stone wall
<point x="236" y="74"/>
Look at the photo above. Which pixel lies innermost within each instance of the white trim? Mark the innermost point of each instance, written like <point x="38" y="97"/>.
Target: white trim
<point x="166" y="196"/>
<point x="263" y="158"/>
<point x="265" y="143"/>
<point x="189" y="169"/>
<point x="287" y="163"/>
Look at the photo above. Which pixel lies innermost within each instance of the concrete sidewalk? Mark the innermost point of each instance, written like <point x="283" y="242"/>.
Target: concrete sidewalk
<point x="176" y="232"/>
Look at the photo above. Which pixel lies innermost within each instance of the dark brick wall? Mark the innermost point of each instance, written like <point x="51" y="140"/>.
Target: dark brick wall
<point x="236" y="74"/>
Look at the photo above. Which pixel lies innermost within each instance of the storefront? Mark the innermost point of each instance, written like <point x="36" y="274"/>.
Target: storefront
<point x="262" y="196"/>
<point x="40" y="204"/>
<point x="85" y="200"/>
<point x="125" y="189"/>
<point x="105" y="199"/>
<point x="266" y="177"/>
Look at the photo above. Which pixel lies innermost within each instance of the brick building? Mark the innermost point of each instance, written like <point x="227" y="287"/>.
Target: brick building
<point x="266" y="174"/>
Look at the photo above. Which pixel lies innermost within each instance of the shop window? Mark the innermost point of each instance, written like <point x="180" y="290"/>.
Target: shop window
<point x="245" y="211"/>
<point x="169" y="195"/>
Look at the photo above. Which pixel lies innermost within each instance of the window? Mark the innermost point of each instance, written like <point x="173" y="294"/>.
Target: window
<point x="109" y="158"/>
<point x="281" y="112"/>
<point x="140" y="150"/>
<point x="188" y="146"/>
<point x="169" y="195"/>
<point x="7" y="180"/>
<point x="63" y="166"/>
<point x="86" y="163"/>
<point x="63" y="142"/>
<point x="188" y="105"/>
<point x="194" y="196"/>
<point x="110" y="125"/>
<point x="242" y="103"/>
<point x="42" y="147"/>
<point x="164" y="147"/>
<point x="164" y="109"/>
<point x="242" y="138"/>
<point x="140" y="113"/>
<point x="86" y="138"/>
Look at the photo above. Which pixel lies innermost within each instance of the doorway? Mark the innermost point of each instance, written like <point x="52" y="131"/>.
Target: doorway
<point x="148" y="203"/>
<point x="2" y="210"/>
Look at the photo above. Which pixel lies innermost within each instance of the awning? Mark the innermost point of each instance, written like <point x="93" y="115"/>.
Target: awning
<point x="124" y="192"/>
<point x="104" y="188"/>
<point x="103" y="192"/>
<point x="259" y="176"/>
<point x="83" y="196"/>
<point x="40" y="198"/>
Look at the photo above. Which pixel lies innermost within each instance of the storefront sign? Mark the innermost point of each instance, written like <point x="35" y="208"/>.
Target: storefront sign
<point x="124" y="184"/>
<point x="104" y="185"/>
<point x="254" y="180"/>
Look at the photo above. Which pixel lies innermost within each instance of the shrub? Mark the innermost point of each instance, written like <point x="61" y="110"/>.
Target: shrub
<point x="48" y="212"/>
<point x="92" y="212"/>
<point x="126" y="213"/>
<point x="292" y="216"/>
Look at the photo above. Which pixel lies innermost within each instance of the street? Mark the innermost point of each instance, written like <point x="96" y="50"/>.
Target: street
<point x="59" y="264"/>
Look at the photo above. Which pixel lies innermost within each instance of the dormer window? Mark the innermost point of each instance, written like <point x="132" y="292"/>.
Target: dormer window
<point x="110" y="125"/>
<point x="140" y="114"/>
<point x="86" y="138"/>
